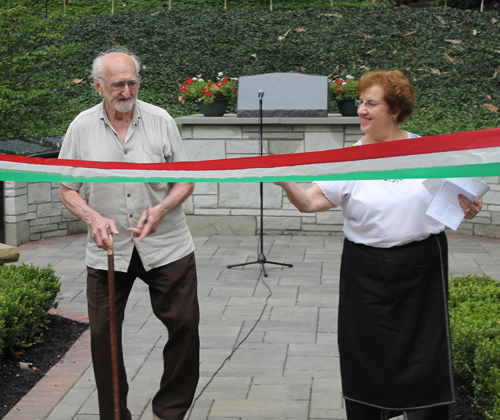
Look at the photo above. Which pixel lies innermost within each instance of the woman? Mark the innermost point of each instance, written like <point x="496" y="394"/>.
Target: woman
<point x="394" y="344"/>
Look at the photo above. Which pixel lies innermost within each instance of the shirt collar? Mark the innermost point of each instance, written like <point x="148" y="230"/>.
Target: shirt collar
<point x="136" y="116"/>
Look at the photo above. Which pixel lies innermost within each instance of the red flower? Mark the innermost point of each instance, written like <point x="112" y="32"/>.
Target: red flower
<point x="337" y="81"/>
<point x="203" y="89"/>
<point x="235" y="91"/>
<point x="225" y="80"/>
<point x="339" y="90"/>
<point x="358" y="80"/>
<point x="208" y="93"/>
<point x="219" y="84"/>
<point x="189" y="81"/>
<point x="210" y="84"/>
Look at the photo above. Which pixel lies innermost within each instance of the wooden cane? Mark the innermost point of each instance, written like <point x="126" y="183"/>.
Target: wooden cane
<point x="112" y="328"/>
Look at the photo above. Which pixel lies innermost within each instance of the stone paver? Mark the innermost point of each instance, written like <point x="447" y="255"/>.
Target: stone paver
<point x="268" y="345"/>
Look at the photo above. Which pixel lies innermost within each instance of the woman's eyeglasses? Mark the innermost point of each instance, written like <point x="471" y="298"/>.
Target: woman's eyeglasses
<point x="368" y="104"/>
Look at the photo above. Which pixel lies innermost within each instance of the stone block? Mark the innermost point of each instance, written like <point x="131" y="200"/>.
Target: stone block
<point x="39" y="192"/>
<point x="281" y="147"/>
<point x="35" y="237"/>
<point x="51" y="209"/>
<point x="267" y="128"/>
<point x="187" y="132"/>
<point x="247" y="195"/>
<point x="15" y="192"/>
<point x="282" y="223"/>
<point x="56" y="219"/>
<point x="17" y="233"/>
<point x="55" y="195"/>
<point x="43" y="228"/>
<point x="353" y="129"/>
<point x="40" y="221"/>
<point x="243" y="146"/>
<point x="53" y="233"/>
<point x="216" y="132"/>
<point x="490" y="231"/>
<point x="205" y="201"/>
<point x="30" y="216"/>
<point x="331" y="217"/>
<point x="205" y="149"/>
<point x="275" y="136"/>
<point x="16" y="205"/>
<point x="491" y="179"/>
<point x="323" y="141"/>
<point x="188" y="205"/>
<point x="76" y="227"/>
<point x="492" y="196"/>
<point x="8" y="254"/>
<point x="322" y="228"/>
<point x="206" y="188"/>
<point x="320" y="128"/>
<point x="222" y="225"/>
<point x="212" y="212"/>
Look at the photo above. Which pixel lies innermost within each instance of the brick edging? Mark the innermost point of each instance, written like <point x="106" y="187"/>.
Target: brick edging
<point x="51" y="389"/>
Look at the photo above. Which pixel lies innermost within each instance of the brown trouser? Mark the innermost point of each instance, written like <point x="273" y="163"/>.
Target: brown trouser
<point x="173" y="293"/>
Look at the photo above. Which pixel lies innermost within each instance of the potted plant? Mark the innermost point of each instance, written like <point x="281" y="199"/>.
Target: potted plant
<point x="212" y="97"/>
<point x="345" y="92"/>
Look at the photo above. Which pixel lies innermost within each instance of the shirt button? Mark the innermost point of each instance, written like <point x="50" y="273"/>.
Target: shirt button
<point x="125" y="153"/>
<point x="131" y="216"/>
<point x="128" y="195"/>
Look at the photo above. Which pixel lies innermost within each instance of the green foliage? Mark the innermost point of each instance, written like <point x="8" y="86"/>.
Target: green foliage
<point x="26" y="293"/>
<point x="79" y="7"/>
<point x="29" y="51"/>
<point x="474" y="305"/>
<point x="455" y="73"/>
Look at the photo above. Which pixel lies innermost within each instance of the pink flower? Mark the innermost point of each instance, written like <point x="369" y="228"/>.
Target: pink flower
<point x="219" y="84"/>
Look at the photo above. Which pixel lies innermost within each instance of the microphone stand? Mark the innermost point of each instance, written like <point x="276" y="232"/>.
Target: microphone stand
<point x="262" y="258"/>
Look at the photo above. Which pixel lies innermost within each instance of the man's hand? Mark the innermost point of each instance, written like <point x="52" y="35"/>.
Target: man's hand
<point x="100" y="226"/>
<point x="148" y="222"/>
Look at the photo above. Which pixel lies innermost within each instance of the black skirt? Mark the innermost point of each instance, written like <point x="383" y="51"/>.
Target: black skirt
<point x="393" y="333"/>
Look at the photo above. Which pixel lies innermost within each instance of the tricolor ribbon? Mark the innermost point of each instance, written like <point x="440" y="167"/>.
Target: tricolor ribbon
<point x="472" y="153"/>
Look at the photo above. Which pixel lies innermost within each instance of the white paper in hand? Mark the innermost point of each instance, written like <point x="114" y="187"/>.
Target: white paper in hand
<point x="445" y="207"/>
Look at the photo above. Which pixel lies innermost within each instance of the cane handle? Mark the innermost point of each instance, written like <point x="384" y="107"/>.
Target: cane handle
<point x="110" y="237"/>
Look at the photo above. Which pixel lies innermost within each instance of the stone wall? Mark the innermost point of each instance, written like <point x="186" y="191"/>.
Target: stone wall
<point x="33" y="210"/>
<point x="234" y="208"/>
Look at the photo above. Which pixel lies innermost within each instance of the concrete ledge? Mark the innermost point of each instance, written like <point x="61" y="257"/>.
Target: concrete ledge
<point x="232" y="119"/>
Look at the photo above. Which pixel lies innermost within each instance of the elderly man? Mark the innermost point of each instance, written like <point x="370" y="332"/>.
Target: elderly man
<point x="152" y="240"/>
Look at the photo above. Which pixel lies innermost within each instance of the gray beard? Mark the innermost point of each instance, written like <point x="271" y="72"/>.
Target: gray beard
<point x="119" y="106"/>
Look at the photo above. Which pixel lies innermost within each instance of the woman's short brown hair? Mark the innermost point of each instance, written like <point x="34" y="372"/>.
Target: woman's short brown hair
<point x="398" y="91"/>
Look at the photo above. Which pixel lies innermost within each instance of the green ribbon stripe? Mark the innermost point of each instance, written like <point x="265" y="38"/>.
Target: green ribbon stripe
<point x="479" y="170"/>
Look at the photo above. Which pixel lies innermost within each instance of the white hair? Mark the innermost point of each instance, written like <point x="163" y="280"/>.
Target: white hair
<point x="98" y="67"/>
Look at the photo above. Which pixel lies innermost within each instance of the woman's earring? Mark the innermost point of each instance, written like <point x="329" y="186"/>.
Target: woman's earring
<point x="393" y="120"/>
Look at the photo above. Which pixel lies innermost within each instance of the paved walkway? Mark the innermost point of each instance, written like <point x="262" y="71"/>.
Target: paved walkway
<point x="284" y="366"/>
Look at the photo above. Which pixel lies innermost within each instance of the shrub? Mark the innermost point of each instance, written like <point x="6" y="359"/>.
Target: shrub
<point x="26" y="293"/>
<point x="474" y="305"/>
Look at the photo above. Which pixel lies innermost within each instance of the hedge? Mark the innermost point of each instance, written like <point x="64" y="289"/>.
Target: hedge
<point x="450" y="55"/>
<point x="26" y="294"/>
<point x="474" y="305"/>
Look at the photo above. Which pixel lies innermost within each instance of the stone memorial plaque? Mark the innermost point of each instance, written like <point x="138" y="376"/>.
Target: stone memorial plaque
<point x="285" y="95"/>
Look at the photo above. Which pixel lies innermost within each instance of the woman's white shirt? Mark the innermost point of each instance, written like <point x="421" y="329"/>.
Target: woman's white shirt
<point x="383" y="213"/>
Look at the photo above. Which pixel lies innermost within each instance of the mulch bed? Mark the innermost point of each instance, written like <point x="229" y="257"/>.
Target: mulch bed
<point x="58" y="335"/>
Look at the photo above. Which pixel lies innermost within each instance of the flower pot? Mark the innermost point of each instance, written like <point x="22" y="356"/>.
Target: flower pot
<point x="214" y="109"/>
<point x="348" y="108"/>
